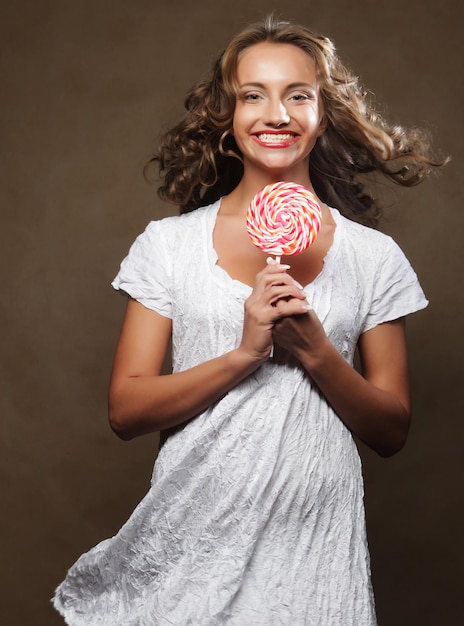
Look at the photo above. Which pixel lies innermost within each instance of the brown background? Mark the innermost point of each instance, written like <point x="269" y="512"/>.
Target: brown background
<point x="87" y="86"/>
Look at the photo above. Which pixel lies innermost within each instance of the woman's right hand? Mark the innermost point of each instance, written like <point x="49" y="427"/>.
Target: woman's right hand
<point x="275" y="295"/>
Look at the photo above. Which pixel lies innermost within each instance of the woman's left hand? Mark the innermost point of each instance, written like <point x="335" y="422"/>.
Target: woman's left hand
<point x="300" y="334"/>
<point x="374" y="405"/>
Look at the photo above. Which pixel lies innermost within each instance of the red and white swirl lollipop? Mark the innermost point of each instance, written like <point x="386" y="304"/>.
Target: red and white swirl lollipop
<point x="283" y="218"/>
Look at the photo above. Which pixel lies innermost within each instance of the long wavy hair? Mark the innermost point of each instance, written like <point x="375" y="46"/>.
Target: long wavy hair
<point x="199" y="160"/>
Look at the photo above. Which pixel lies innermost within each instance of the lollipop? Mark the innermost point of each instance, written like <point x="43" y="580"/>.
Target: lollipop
<point x="283" y="218"/>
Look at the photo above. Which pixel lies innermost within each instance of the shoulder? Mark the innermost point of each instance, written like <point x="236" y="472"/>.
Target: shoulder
<point x="175" y="225"/>
<point x="360" y="232"/>
<point x="365" y="241"/>
<point x="374" y="259"/>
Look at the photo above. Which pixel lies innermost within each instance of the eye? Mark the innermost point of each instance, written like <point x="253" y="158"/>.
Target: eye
<point x="301" y="96"/>
<point x="251" y="96"/>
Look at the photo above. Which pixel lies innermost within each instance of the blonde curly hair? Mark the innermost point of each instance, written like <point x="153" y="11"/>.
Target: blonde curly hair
<point x="200" y="161"/>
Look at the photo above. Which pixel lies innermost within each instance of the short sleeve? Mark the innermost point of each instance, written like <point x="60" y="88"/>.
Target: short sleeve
<point x="396" y="289"/>
<point x="145" y="272"/>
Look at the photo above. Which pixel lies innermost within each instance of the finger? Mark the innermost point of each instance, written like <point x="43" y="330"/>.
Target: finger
<point x="272" y="267"/>
<point x="287" y="308"/>
<point x="275" y="293"/>
<point x="274" y="277"/>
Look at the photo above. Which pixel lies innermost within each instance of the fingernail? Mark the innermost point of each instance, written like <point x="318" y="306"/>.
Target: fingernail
<point x="298" y="284"/>
<point x="271" y="261"/>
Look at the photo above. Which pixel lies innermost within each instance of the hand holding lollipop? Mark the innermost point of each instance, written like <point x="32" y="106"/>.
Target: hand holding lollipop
<point x="283" y="218"/>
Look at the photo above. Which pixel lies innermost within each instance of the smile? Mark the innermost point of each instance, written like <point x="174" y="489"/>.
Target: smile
<point x="276" y="140"/>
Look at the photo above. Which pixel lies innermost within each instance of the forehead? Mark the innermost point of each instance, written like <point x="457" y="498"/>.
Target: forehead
<point x="277" y="60"/>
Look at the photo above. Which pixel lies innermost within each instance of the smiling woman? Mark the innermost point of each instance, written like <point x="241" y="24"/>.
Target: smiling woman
<point x="255" y="511"/>
<point x="278" y="115"/>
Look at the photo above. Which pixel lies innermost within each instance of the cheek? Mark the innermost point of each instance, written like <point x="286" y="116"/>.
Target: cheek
<point x="238" y="129"/>
<point x="243" y="117"/>
<point x="238" y="138"/>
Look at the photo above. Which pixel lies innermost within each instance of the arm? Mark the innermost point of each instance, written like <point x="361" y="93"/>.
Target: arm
<point x="375" y="406"/>
<point x="142" y="400"/>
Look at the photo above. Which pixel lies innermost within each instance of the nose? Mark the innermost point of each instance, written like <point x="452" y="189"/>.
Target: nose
<point x="276" y="113"/>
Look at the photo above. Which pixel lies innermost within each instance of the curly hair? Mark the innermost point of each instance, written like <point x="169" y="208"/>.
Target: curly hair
<point x="200" y="161"/>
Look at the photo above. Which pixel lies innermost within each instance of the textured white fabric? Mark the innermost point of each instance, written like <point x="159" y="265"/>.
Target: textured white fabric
<point x="255" y="512"/>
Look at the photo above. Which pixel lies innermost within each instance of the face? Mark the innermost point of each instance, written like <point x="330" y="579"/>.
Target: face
<point x="278" y="114"/>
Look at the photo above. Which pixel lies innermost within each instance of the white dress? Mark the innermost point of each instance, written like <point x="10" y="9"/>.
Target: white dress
<point x="255" y="513"/>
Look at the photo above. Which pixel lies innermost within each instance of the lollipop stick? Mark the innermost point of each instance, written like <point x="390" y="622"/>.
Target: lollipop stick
<point x="277" y="260"/>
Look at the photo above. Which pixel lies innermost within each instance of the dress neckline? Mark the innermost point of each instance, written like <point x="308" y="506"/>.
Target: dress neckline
<point x="219" y="272"/>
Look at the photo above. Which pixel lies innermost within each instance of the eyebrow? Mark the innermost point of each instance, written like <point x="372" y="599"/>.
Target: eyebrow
<point x="288" y="87"/>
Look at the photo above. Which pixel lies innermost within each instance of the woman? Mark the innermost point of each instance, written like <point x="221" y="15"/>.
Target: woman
<point x="255" y="512"/>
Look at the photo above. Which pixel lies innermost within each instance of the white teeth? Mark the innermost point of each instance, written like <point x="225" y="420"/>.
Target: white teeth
<point x="268" y="138"/>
